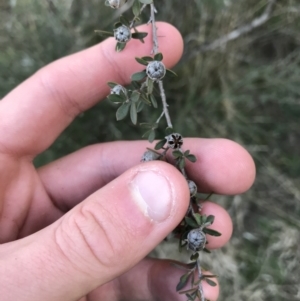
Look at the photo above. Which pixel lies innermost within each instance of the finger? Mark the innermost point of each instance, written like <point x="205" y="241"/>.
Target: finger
<point x="98" y="240"/>
<point x="222" y="167"/>
<point x="37" y="111"/>
<point x="222" y="224"/>
<point x="149" y="280"/>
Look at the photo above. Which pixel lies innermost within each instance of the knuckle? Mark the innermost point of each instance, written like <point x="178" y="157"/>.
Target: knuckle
<point x="50" y="82"/>
<point x="91" y="236"/>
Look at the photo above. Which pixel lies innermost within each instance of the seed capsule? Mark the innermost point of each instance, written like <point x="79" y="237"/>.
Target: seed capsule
<point x="196" y="240"/>
<point x="149" y="156"/>
<point x="122" y="34"/>
<point x="117" y="90"/>
<point x="156" y="70"/>
<point x="174" y="141"/>
<point x="192" y="187"/>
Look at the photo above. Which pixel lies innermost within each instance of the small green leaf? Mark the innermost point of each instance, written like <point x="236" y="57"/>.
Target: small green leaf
<point x="177" y="154"/>
<point x="181" y="163"/>
<point x="120" y="46"/>
<point x="171" y="73"/>
<point x="139" y="35"/>
<point x="145" y="99"/>
<point x="194" y="257"/>
<point x="211" y="232"/>
<point x="147" y="58"/>
<point x="158" y="57"/>
<point x="191" y="158"/>
<point x="116" y="98"/>
<point x="135" y="96"/>
<point x="133" y="113"/>
<point x="138" y="76"/>
<point x="206" y="251"/>
<point x="191" y="222"/>
<point x="136" y="8"/>
<point x="183" y="281"/>
<point x="150" y="85"/>
<point x="153" y="101"/>
<point x="160" y="144"/>
<point x="198" y="218"/>
<point x="122" y="111"/>
<point x="112" y="84"/>
<point x="141" y="61"/>
<point x="146" y="125"/>
<point x="210" y="219"/>
<point x="192" y="290"/>
<point x="151" y="136"/>
<point x="140" y="106"/>
<point x="186" y="153"/>
<point x="104" y="33"/>
<point x="210" y="282"/>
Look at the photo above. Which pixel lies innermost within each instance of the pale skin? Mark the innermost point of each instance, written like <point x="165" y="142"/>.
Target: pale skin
<point x="74" y="229"/>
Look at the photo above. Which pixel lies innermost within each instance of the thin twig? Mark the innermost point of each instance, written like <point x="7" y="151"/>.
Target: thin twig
<point x="200" y="287"/>
<point x="164" y="102"/>
<point x="132" y="23"/>
<point x="154" y="29"/>
<point x="160" y="117"/>
<point x="235" y="34"/>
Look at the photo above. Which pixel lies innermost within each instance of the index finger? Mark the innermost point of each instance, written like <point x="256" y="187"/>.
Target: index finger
<point x="37" y="111"/>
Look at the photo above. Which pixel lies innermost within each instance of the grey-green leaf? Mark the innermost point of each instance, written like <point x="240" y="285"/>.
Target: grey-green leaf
<point x="191" y="158"/>
<point x="158" y="57"/>
<point x="116" y="98"/>
<point x="120" y="46"/>
<point x="133" y="113"/>
<point x="191" y="222"/>
<point x="150" y="85"/>
<point x="141" y="61"/>
<point x="136" y="8"/>
<point x="198" y="218"/>
<point x="183" y="281"/>
<point x="112" y="84"/>
<point x="211" y="232"/>
<point x="138" y="76"/>
<point x="151" y="136"/>
<point x="210" y="219"/>
<point x="160" y="144"/>
<point x="122" y="111"/>
<point x="135" y="96"/>
<point x="139" y="35"/>
<point x="210" y="282"/>
<point x="140" y="106"/>
<point x="153" y="101"/>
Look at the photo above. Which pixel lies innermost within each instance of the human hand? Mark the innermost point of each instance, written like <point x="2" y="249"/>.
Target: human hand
<point x="79" y="227"/>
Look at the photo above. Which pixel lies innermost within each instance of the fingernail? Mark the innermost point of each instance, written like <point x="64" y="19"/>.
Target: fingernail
<point x="153" y="193"/>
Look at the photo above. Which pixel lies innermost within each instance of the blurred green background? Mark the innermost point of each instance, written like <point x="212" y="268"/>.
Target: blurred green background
<point x="247" y="90"/>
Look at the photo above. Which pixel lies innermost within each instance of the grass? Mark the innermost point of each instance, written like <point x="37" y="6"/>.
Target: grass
<point x="247" y="91"/>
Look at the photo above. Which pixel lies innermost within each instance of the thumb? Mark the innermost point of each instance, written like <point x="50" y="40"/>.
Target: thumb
<point x="99" y="239"/>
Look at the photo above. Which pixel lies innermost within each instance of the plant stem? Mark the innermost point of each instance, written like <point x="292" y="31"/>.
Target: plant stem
<point x="160" y="117"/>
<point x="154" y="29"/>
<point x="200" y="288"/>
<point x="165" y="105"/>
